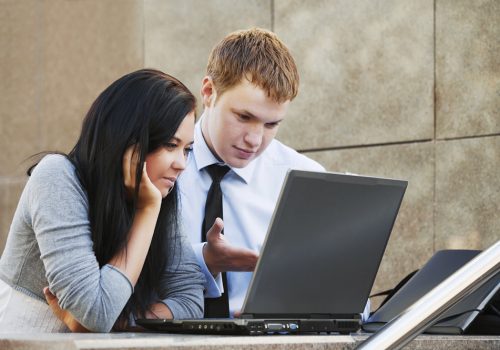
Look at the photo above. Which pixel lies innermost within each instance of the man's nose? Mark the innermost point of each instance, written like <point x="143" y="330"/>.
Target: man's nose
<point x="254" y="136"/>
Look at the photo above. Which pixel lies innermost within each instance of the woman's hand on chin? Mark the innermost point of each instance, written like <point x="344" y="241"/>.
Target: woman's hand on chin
<point x="149" y="196"/>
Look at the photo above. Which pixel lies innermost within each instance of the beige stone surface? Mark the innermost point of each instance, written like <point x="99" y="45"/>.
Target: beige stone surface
<point x="411" y="242"/>
<point x="56" y="57"/>
<point x="467" y="68"/>
<point x="179" y="35"/>
<point x="467" y="193"/>
<point x="366" y="71"/>
<point x="87" y="45"/>
<point x="179" y="341"/>
<point x="20" y="76"/>
<point x="10" y="193"/>
<point x="174" y="341"/>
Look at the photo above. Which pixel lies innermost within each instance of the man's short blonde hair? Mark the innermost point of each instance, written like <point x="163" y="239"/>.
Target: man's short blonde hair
<point x="259" y="56"/>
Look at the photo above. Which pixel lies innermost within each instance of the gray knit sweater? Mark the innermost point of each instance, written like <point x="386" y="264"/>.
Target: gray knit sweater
<point x="49" y="244"/>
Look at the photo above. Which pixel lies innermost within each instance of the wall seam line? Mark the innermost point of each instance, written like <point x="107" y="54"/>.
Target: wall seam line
<point x="272" y="15"/>
<point x="340" y="148"/>
<point x="434" y="199"/>
<point x="143" y="33"/>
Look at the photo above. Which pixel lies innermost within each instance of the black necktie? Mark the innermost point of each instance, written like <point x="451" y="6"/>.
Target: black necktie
<point x="215" y="307"/>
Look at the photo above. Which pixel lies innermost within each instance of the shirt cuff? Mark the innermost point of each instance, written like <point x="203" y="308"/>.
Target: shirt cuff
<point x="213" y="285"/>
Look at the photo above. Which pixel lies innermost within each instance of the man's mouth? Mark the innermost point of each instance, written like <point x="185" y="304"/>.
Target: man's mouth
<point x="244" y="153"/>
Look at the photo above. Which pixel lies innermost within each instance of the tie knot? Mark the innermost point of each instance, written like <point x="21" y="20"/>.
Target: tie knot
<point x="217" y="171"/>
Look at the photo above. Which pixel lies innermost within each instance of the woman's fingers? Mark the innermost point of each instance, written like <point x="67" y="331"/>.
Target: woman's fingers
<point x="49" y="297"/>
<point x="126" y="166"/>
<point x="130" y="161"/>
<point x="148" y="193"/>
<point x="65" y="316"/>
<point x="134" y="160"/>
<point x="145" y="180"/>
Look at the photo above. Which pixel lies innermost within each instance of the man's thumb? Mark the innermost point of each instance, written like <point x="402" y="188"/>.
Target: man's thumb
<point x="216" y="229"/>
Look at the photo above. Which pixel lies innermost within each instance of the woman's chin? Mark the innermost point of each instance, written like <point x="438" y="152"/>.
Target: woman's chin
<point x="166" y="191"/>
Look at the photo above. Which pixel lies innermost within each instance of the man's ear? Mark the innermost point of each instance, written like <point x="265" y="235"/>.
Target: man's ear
<point x="208" y="92"/>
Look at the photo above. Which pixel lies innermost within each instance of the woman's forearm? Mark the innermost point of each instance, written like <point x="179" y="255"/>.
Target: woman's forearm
<point x="130" y="259"/>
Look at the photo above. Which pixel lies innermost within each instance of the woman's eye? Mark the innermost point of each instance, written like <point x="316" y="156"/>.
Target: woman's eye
<point x="170" y="145"/>
<point x="188" y="150"/>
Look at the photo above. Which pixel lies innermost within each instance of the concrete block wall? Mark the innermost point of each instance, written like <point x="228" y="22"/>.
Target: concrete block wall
<point x="406" y="89"/>
<point x="56" y="56"/>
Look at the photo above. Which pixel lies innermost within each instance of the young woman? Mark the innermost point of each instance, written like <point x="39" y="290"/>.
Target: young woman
<point x="99" y="226"/>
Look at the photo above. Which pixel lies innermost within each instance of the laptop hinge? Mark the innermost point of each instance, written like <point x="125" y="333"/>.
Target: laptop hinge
<point x="321" y="316"/>
<point x="246" y="316"/>
<point x="304" y="316"/>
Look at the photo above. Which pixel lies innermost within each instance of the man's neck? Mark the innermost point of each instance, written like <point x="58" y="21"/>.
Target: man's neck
<point x="206" y="136"/>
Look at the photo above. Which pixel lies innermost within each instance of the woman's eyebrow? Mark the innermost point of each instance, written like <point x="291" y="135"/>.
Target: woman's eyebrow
<point x="177" y="139"/>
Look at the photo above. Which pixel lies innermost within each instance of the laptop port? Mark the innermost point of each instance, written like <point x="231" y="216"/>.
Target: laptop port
<point x="275" y="326"/>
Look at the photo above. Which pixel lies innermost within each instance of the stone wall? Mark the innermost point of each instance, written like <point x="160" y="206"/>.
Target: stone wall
<point x="406" y="89"/>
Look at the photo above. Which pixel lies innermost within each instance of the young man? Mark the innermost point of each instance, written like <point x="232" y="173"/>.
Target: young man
<point x="251" y="79"/>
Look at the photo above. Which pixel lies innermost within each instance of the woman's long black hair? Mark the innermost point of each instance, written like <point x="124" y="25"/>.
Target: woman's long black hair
<point x="143" y="108"/>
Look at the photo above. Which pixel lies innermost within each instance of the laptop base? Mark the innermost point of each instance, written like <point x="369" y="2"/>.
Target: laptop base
<point x="251" y="326"/>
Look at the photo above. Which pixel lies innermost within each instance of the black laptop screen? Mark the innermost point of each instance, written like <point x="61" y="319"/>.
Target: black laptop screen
<point x="326" y="240"/>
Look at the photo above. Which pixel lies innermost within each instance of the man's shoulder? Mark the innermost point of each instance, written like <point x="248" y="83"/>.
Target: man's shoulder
<point x="282" y="155"/>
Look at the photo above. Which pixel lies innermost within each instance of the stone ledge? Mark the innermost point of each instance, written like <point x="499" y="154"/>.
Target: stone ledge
<point x="177" y="341"/>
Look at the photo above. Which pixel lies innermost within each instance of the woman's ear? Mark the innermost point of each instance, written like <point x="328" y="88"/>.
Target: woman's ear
<point x="208" y="92"/>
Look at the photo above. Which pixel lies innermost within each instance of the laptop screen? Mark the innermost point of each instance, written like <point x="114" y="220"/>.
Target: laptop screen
<point x="324" y="245"/>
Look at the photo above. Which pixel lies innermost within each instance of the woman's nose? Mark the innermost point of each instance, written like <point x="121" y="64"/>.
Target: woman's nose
<point x="180" y="160"/>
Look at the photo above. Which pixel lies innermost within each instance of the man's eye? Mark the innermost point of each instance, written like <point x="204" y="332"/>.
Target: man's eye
<point x="271" y="125"/>
<point x="243" y="117"/>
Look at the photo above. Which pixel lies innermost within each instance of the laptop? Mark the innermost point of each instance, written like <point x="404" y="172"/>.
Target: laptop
<point x="319" y="260"/>
<point x="456" y="319"/>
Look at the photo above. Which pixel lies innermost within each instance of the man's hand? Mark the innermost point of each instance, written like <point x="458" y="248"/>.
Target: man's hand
<point x="220" y="256"/>
<point x="61" y="314"/>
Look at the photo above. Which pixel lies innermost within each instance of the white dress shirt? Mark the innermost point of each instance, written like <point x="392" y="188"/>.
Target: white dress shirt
<point x="249" y="197"/>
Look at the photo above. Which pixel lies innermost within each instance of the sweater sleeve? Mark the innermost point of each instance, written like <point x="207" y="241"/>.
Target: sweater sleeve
<point x="182" y="282"/>
<point x="58" y="208"/>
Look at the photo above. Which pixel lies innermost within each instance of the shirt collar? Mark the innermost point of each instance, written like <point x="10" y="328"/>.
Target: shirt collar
<point x="204" y="156"/>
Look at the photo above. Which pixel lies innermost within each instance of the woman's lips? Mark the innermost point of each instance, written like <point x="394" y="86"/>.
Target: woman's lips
<point x="169" y="181"/>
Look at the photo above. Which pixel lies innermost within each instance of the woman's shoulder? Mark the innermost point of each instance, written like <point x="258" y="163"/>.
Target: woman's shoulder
<point x="55" y="179"/>
<point x="55" y="159"/>
<point x="53" y="165"/>
<point x="54" y="169"/>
